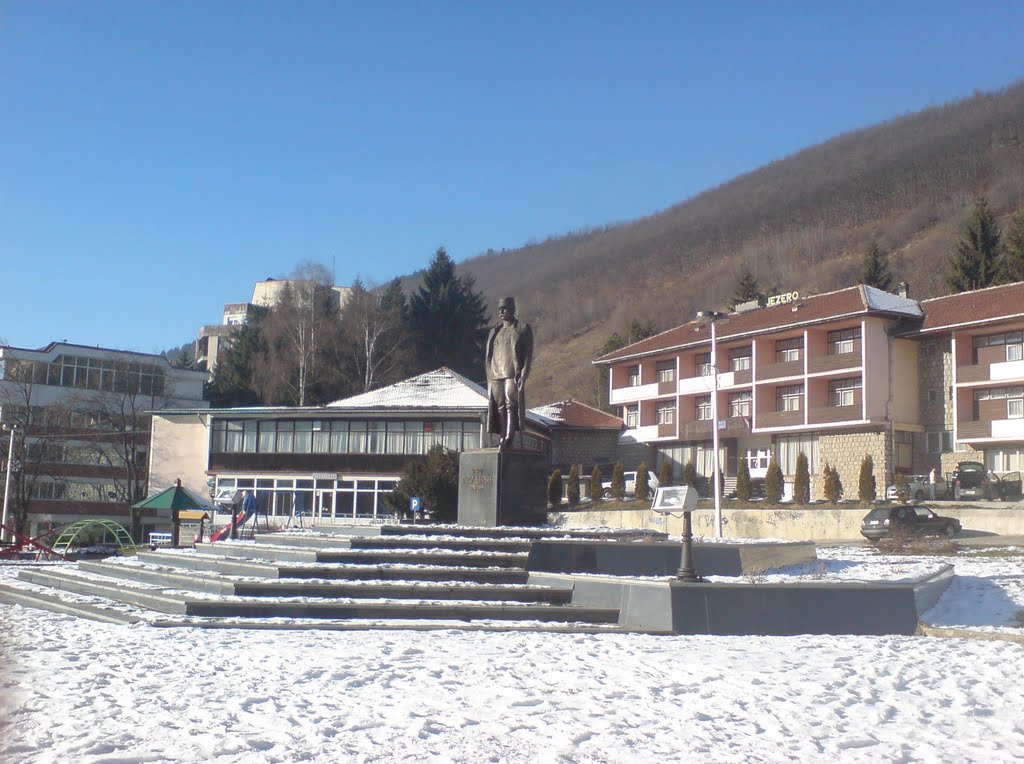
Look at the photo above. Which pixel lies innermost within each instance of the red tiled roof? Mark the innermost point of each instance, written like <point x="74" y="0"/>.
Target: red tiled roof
<point x="570" y="413"/>
<point x="972" y="308"/>
<point x="857" y="300"/>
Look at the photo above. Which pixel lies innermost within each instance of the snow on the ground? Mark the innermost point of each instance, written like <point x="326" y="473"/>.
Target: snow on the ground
<point x="80" y="691"/>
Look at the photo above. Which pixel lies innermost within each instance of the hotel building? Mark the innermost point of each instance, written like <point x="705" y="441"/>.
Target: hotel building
<point x="836" y="376"/>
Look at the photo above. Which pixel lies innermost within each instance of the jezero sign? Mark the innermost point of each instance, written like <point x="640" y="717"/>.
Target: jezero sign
<point x="782" y="299"/>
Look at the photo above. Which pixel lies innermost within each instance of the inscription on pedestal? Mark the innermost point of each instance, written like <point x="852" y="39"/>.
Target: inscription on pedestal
<point x="502" y="488"/>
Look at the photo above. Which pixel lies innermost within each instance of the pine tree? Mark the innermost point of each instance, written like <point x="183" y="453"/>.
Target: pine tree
<point x="866" y="481"/>
<point x="595" y="484"/>
<point x="642" y="485"/>
<point x="690" y="477"/>
<point x="833" y="485"/>
<point x="773" y="483"/>
<point x="973" y="265"/>
<point x="1011" y="261"/>
<point x="802" y="481"/>
<point x="618" y="486"/>
<point x="555" y="488"/>
<point x="232" y="383"/>
<point x="572" y="493"/>
<point x="448" y="320"/>
<point x="665" y="473"/>
<point x="876" y="271"/>
<point x="743" y="486"/>
<point x="747" y="289"/>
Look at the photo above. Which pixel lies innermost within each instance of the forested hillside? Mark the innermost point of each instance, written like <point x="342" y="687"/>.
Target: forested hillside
<point x="802" y="223"/>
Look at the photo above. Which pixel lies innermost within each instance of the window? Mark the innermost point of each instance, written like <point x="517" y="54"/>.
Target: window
<point x="1004" y="459"/>
<point x="903" y="450"/>
<point x="632" y="416"/>
<point x="789" y="350"/>
<point x="703" y="365"/>
<point x="938" y="442"/>
<point x="739" y="359"/>
<point x="1014" y="342"/>
<point x="633" y="376"/>
<point x="842" y="392"/>
<point x="739" y="404"/>
<point x="788" y="447"/>
<point x="1015" y="408"/>
<point x="666" y="413"/>
<point x="843" y="341"/>
<point x="1014" y="397"/>
<point x="788" y="398"/>
<point x="666" y="371"/>
<point x="933" y="395"/>
<point x="703" y="410"/>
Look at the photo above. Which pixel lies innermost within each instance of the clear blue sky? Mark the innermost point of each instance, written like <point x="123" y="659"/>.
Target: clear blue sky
<point x="157" y="158"/>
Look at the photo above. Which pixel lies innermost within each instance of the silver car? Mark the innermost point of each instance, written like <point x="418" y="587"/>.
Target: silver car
<point x="921" y="488"/>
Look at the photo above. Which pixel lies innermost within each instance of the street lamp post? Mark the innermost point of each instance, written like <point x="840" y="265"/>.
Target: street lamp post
<point x="4" y="535"/>
<point x="713" y="316"/>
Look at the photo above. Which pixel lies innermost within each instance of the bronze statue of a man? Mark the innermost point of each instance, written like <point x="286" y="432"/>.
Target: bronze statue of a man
<point x="508" y="357"/>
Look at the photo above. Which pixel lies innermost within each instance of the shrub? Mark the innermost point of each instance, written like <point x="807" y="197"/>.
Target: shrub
<point x="773" y="483"/>
<point x="743" y="487"/>
<point x="866" y="484"/>
<point x="572" y="492"/>
<point x="618" y="486"/>
<point x="802" y="480"/>
<point x="833" y="485"/>
<point x="643" y="484"/>
<point x="902" y="489"/>
<point x="595" y="484"/>
<point x="690" y="474"/>
<point x="555" y="488"/>
<point x="435" y="481"/>
<point x="665" y="473"/>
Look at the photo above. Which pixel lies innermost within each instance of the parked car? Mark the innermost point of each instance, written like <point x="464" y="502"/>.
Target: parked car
<point x="630" y="478"/>
<point x="908" y="519"/>
<point x="921" y="488"/>
<point x="971" y="481"/>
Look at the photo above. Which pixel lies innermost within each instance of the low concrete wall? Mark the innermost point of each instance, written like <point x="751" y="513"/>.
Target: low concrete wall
<point x="817" y="523"/>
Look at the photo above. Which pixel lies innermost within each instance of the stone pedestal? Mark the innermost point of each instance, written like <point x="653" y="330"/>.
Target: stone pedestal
<point x="502" y="488"/>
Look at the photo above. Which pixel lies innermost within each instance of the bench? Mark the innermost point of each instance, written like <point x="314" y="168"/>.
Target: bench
<point x="159" y="538"/>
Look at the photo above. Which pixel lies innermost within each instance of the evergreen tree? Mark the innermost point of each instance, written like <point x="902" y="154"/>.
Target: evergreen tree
<point x="973" y="265"/>
<point x="833" y="485"/>
<point x="448" y="320"/>
<point x="555" y="488"/>
<point x="665" y="473"/>
<point x="747" y="289"/>
<point x="773" y="483"/>
<point x="232" y="382"/>
<point x="866" y="484"/>
<point x="618" y="486"/>
<point x="902" y="488"/>
<point x="876" y="271"/>
<point x="642" y="486"/>
<point x="572" y="493"/>
<point x="802" y="481"/>
<point x="690" y="476"/>
<point x="1011" y="261"/>
<point x="595" y="483"/>
<point x="743" y="486"/>
<point x="435" y="480"/>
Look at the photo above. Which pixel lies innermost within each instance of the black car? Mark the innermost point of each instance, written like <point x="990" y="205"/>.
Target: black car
<point x="1007" y="487"/>
<point x="970" y="480"/>
<point x="907" y="519"/>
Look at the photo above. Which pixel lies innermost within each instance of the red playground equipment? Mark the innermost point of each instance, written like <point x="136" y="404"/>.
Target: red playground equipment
<point x="16" y="549"/>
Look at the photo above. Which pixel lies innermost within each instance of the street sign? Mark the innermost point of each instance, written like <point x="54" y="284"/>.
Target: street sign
<point x="415" y="505"/>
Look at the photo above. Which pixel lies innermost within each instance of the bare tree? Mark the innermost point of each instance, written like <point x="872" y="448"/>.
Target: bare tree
<point x="374" y="321"/>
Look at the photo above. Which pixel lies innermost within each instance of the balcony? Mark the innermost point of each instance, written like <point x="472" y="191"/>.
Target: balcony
<point x="777" y="370"/>
<point x="830" y="414"/>
<point x="735" y="426"/>
<point x="1008" y="371"/>
<point x="779" y="419"/>
<point x="825" y="363"/>
<point x="621" y="395"/>
<point x="1002" y="429"/>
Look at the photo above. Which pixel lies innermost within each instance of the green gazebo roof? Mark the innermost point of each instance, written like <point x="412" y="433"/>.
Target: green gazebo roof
<point x="172" y="498"/>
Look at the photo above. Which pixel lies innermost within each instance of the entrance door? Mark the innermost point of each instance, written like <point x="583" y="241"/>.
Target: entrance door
<point x="758" y="460"/>
<point x="323" y="503"/>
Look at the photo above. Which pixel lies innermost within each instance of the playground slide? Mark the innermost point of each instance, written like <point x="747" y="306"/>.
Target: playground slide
<point x="225" y="532"/>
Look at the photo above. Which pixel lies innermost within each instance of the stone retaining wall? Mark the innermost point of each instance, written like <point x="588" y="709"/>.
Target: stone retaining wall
<point x="793" y="524"/>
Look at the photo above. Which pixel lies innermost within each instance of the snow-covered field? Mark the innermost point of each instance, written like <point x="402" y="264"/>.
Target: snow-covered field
<point x="79" y="691"/>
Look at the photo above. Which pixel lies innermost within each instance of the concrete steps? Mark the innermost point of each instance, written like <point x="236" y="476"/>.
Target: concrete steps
<point x="334" y="580"/>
